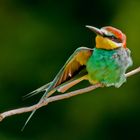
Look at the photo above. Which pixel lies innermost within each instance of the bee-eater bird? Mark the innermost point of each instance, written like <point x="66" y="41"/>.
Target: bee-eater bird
<point x="105" y="64"/>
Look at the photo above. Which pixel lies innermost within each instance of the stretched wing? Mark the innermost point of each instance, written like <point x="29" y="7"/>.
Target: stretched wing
<point x="73" y="65"/>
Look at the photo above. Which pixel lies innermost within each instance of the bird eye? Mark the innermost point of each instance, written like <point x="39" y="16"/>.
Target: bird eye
<point x="115" y="39"/>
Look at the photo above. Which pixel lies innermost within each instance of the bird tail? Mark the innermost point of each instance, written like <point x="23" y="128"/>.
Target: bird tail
<point x="39" y="90"/>
<point x="48" y="92"/>
<point x="46" y="95"/>
<point x="28" y="119"/>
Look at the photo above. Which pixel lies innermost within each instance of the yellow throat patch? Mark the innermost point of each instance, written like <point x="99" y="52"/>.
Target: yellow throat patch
<point x="105" y="43"/>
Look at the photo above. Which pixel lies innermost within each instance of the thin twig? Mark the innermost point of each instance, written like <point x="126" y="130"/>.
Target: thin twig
<point x="58" y="97"/>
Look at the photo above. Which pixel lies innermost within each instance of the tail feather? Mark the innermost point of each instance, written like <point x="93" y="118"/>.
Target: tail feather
<point x="49" y="90"/>
<point x="35" y="92"/>
<point x="47" y="93"/>
<point x="28" y="120"/>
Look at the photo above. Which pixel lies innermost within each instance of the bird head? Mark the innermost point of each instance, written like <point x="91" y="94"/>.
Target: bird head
<point x="109" y="38"/>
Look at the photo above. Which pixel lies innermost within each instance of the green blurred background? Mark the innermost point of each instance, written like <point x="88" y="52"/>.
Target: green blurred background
<point x="36" y="38"/>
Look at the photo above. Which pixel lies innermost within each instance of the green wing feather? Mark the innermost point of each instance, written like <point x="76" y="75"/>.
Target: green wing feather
<point x="39" y="90"/>
<point x="73" y="66"/>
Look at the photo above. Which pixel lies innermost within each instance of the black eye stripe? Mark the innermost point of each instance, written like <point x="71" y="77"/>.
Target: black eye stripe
<point x="117" y="40"/>
<point x="113" y="38"/>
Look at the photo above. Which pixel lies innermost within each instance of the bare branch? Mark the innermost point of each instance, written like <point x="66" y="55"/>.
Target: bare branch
<point x="58" y="97"/>
<point x="135" y="71"/>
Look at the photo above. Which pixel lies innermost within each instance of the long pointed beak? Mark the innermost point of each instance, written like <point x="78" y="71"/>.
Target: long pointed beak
<point x="95" y="30"/>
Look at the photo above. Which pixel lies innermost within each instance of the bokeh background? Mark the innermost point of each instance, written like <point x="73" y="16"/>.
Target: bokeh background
<point x="36" y="38"/>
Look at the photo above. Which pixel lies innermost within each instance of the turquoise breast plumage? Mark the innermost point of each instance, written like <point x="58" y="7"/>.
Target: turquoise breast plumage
<point x="109" y="66"/>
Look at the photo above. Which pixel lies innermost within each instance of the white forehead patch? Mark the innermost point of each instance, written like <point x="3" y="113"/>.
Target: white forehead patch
<point x="106" y="32"/>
